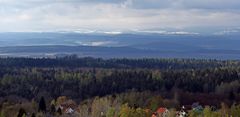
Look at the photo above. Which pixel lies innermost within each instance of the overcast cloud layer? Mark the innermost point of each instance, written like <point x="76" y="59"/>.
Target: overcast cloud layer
<point x="117" y="15"/>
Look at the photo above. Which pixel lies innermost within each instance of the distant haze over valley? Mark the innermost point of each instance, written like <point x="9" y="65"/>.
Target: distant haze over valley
<point x="141" y="44"/>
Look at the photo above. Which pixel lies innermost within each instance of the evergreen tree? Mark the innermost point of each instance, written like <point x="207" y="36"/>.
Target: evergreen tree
<point x="33" y="115"/>
<point x="59" y="111"/>
<point x="21" y="112"/>
<point x="53" y="109"/>
<point x="42" y="105"/>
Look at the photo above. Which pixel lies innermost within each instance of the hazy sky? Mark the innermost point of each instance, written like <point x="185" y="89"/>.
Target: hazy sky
<point x="117" y="15"/>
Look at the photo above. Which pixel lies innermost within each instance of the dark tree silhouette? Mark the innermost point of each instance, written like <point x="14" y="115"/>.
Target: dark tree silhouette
<point x="59" y="111"/>
<point x="42" y="105"/>
<point x="33" y="115"/>
<point x="53" y="109"/>
<point x="21" y="112"/>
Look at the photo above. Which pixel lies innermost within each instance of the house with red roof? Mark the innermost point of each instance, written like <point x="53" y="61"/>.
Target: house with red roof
<point x="161" y="112"/>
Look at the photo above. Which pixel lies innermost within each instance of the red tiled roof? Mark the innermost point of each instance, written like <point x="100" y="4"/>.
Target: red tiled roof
<point x="161" y="110"/>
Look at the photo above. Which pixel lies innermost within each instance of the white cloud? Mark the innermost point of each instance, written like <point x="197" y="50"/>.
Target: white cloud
<point x="113" y="32"/>
<point x="166" y="32"/>
<point x="228" y="31"/>
<point x="126" y="3"/>
<point x="121" y="15"/>
<point x="100" y="43"/>
<point x="96" y="43"/>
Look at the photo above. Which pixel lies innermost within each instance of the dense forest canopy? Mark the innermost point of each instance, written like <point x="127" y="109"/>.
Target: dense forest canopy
<point x="74" y="61"/>
<point x="209" y="82"/>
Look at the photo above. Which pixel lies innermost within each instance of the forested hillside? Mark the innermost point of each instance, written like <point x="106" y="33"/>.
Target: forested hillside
<point x="95" y="87"/>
